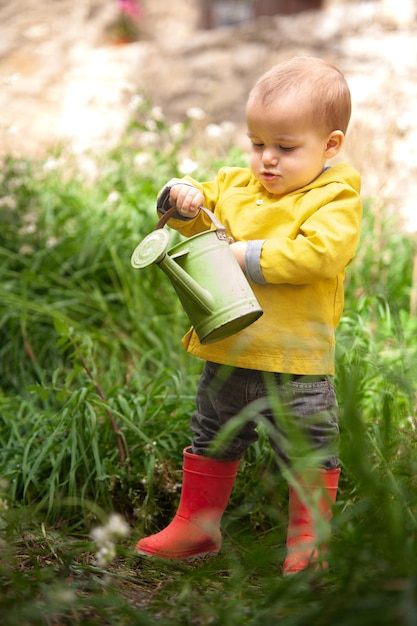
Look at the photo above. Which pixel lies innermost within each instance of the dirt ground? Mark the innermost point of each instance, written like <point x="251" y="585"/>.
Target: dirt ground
<point x="66" y="78"/>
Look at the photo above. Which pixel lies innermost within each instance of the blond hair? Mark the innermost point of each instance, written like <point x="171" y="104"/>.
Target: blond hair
<point x="321" y="84"/>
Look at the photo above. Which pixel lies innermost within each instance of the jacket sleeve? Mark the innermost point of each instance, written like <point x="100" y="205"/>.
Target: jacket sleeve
<point x="324" y="243"/>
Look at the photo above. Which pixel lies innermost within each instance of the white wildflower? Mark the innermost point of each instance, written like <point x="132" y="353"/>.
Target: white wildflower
<point x="28" y="229"/>
<point x="117" y="526"/>
<point x="228" y="127"/>
<point x="142" y="159"/>
<point x="187" y="166"/>
<point x="195" y="113"/>
<point x="26" y="249"/>
<point x="151" y="125"/>
<point x="99" y="535"/>
<point x="136" y="102"/>
<point x="113" y="197"/>
<point x="52" y="164"/>
<point x="51" y="242"/>
<point x="105" y="555"/>
<point x="214" y="131"/>
<point x="177" y="130"/>
<point x="157" y="114"/>
<point x="8" y="202"/>
<point x="149" y="139"/>
<point x="104" y="536"/>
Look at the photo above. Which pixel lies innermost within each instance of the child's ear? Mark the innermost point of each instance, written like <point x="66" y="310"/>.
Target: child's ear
<point x="334" y="143"/>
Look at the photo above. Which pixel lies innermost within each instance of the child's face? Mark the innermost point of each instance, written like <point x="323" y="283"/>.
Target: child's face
<point x="288" y="151"/>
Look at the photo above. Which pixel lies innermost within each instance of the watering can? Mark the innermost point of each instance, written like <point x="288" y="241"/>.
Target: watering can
<point x="208" y="280"/>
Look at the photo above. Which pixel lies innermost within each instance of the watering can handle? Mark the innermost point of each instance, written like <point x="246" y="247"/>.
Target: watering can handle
<point x="220" y="229"/>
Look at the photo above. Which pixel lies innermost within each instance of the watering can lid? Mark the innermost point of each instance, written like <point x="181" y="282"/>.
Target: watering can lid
<point x="151" y="250"/>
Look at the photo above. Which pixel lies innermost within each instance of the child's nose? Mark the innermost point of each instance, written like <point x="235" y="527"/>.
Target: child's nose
<point x="269" y="156"/>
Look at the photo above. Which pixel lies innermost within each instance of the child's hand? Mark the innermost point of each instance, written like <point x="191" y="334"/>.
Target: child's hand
<point x="185" y="198"/>
<point x="239" y="250"/>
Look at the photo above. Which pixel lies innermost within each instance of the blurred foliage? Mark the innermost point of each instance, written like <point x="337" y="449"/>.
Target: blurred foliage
<point x="96" y="396"/>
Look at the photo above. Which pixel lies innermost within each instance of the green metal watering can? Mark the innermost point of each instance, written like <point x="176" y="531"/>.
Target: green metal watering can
<point x="208" y="280"/>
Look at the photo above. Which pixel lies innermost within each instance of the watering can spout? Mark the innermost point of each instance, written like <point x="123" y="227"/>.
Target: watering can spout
<point x="186" y="286"/>
<point x="153" y="249"/>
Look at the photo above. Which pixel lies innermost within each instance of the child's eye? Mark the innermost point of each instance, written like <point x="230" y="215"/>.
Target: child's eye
<point x="257" y="145"/>
<point x="286" y="148"/>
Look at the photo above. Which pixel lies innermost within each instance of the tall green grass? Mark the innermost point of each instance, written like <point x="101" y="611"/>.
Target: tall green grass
<point x="96" y="395"/>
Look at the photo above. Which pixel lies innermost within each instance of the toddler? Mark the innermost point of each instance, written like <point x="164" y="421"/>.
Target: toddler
<point x="295" y="222"/>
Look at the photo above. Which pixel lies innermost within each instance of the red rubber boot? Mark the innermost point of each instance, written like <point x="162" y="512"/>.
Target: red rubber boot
<point x="195" y="530"/>
<point x="320" y="489"/>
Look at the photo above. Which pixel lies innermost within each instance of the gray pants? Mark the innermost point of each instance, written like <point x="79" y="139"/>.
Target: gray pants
<point x="301" y="414"/>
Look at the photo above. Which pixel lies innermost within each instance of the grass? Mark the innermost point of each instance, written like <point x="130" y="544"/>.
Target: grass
<point x="96" y="395"/>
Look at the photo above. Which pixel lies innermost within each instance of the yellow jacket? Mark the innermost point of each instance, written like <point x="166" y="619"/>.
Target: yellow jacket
<point x="298" y="247"/>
